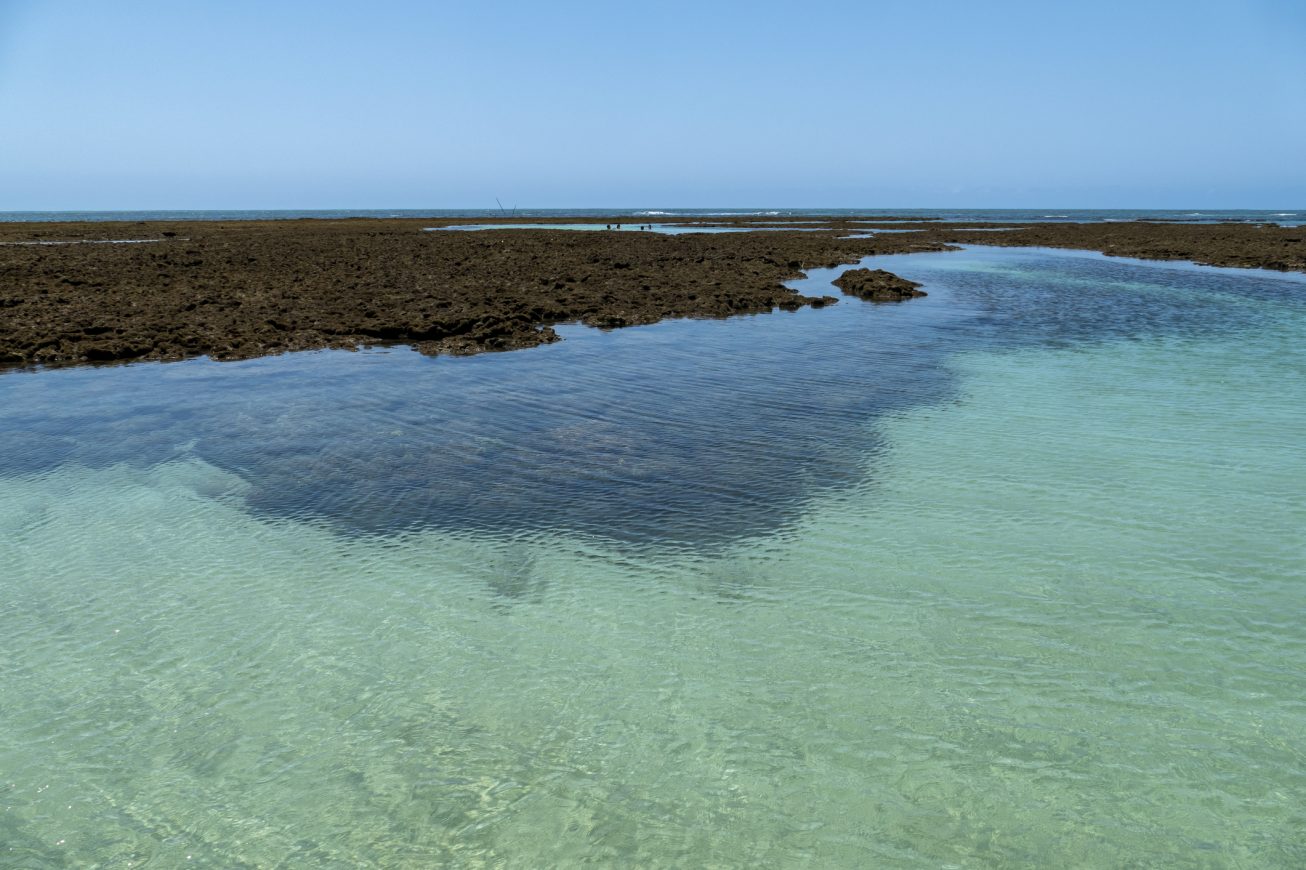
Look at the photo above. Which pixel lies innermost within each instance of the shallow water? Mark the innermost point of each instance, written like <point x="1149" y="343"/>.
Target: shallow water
<point x="1010" y="575"/>
<point x="664" y="229"/>
<point x="94" y="242"/>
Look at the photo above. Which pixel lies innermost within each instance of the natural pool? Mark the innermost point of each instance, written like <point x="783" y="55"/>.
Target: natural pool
<point x="665" y="229"/>
<point x="1009" y="575"/>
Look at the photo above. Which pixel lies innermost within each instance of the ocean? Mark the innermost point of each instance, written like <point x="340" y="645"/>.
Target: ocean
<point x="1009" y="575"/>
<point x="1284" y="217"/>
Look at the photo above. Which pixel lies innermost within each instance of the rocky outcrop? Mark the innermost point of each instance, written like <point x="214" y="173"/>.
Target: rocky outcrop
<point x="877" y="285"/>
<point x="232" y="290"/>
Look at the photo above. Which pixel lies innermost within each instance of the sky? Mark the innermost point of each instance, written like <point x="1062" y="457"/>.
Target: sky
<point x="626" y="103"/>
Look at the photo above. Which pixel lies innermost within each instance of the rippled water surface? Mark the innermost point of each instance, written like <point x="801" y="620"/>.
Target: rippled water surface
<point x="1011" y="575"/>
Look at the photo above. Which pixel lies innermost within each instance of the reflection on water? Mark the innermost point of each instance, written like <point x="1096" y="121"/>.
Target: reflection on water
<point x="1008" y="575"/>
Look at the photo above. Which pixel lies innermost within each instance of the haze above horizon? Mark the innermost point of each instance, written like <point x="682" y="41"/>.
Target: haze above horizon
<point x="147" y="105"/>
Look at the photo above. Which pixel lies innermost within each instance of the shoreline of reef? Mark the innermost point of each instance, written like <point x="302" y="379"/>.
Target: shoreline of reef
<point x="101" y="291"/>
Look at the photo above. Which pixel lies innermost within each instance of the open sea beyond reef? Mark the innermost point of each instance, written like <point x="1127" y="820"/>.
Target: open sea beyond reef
<point x="1010" y="575"/>
<point x="1284" y="217"/>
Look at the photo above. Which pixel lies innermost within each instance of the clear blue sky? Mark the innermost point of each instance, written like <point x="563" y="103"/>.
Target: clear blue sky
<point x="906" y="103"/>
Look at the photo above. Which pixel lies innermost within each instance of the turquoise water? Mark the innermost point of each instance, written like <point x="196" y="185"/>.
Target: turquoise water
<point x="1011" y="575"/>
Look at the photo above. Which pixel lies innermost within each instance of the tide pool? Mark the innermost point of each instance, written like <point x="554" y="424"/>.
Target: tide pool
<point x="664" y="229"/>
<point x="1011" y="575"/>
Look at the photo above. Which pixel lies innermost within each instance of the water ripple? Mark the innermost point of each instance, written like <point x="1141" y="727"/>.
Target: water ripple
<point x="997" y="577"/>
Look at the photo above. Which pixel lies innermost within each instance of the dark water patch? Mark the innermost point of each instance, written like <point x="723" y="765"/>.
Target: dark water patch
<point x="681" y="434"/>
<point x="639" y="438"/>
<point x="1054" y="298"/>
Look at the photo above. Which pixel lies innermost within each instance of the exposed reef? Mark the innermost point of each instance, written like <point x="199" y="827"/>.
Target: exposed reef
<point x="104" y="291"/>
<point x="1256" y="246"/>
<point x="877" y="285"/>
<point x="233" y="290"/>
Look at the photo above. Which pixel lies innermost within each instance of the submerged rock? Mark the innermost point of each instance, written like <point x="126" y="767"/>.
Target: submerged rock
<point x="877" y="285"/>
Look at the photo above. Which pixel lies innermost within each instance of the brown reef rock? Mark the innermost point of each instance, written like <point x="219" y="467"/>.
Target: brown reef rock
<point x="112" y="292"/>
<point x="877" y="285"/>
<point x="117" y="291"/>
